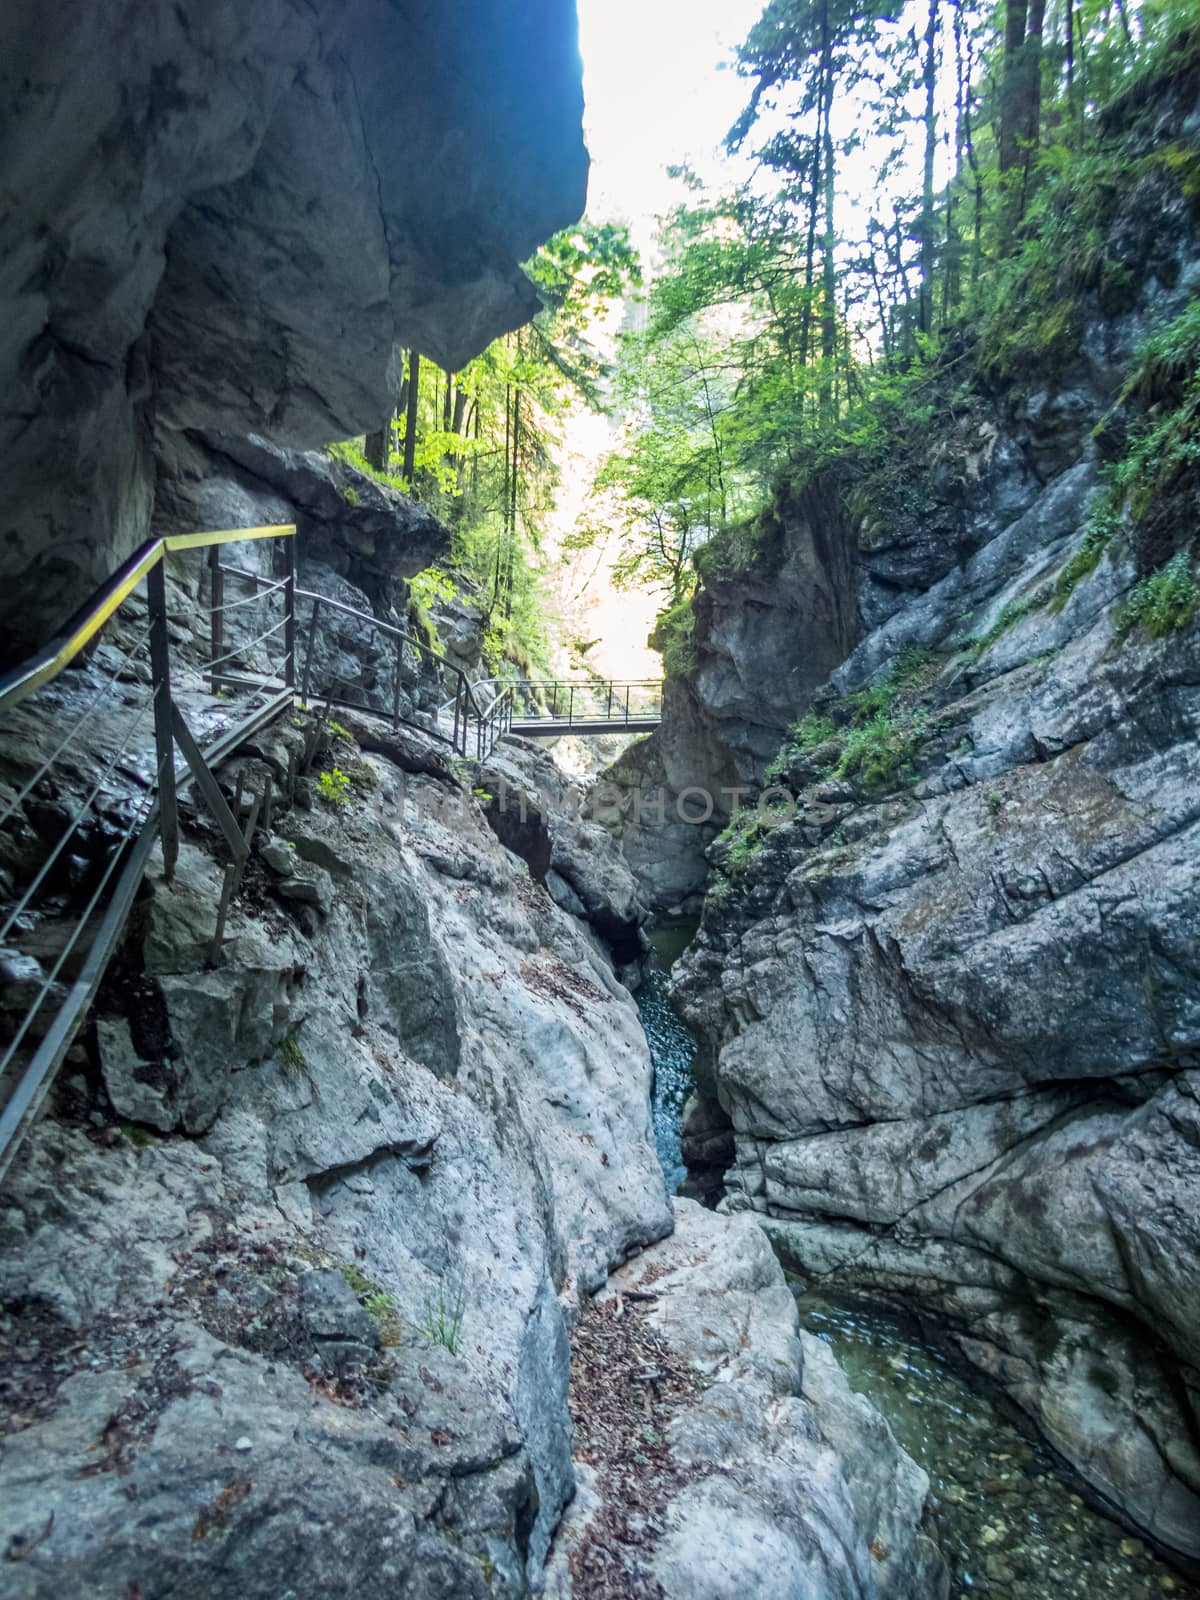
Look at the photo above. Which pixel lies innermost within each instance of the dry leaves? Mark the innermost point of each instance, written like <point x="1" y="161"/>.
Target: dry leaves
<point x="626" y="1386"/>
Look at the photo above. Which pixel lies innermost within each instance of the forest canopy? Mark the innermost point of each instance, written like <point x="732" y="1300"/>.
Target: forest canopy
<point x="923" y="205"/>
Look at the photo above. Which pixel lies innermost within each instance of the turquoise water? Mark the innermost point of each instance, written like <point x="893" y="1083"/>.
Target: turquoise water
<point x="1009" y="1516"/>
<point x="1011" y="1520"/>
<point x="671" y="1046"/>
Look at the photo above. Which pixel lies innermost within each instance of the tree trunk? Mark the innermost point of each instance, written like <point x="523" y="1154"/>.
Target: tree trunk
<point x="377" y="447"/>
<point x="1012" y="89"/>
<point x="927" y="218"/>
<point x="411" y="418"/>
<point x="829" y="273"/>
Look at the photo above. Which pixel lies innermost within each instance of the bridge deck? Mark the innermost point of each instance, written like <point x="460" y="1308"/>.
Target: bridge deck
<point x="548" y="728"/>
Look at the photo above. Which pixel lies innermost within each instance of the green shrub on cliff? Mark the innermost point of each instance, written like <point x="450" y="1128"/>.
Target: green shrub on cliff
<point x="674" y="636"/>
<point x="879" y="754"/>
<point x="1164" y="602"/>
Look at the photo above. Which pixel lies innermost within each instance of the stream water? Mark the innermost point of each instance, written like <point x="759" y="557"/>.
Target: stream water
<point x="1011" y="1521"/>
<point x="671" y="1046"/>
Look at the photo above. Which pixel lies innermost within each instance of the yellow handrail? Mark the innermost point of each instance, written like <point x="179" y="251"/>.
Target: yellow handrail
<point x="46" y="664"/>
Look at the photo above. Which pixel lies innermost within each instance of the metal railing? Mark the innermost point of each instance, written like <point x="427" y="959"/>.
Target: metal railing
<point x="78" y="825"/>
<point x="587" y="706"/>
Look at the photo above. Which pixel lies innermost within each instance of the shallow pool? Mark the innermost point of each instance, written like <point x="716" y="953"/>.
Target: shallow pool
<point x="1012" y="1523"/>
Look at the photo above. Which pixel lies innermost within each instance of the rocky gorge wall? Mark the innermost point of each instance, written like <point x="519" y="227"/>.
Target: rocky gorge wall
<point x="291" y="1267"/>
<point x="949" y="1021"/>
<point x="228" y="217"/>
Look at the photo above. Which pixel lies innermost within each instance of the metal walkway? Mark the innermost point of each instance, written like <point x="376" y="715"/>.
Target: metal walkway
<point x="585" y="708"/>
<point x="155" y="681"/>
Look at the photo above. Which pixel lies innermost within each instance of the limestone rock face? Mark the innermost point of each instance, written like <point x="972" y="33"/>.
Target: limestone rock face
<point x="549" y="823"/>
<point x="949" y="1032"/>
<point x="765" y="637"/>
<point x="338" y="1196"/>
<point x="228" y="216"/>
<point x="777" y="1481"/>
<point x="954" y="1032"/>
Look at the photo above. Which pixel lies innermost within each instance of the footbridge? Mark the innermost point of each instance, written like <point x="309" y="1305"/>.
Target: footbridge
<point x="197" y="644"/>
<point x="584" y="707"/>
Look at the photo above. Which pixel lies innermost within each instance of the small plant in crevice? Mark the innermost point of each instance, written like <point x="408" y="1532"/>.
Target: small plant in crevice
<point x="1164" y="602"/>
<point x="1103" y="525"/>
<point x="379" y="1305"/>
<point x="811" y="730"/>
<point x="1011" y="612"/>
<point x="741" y="838"/>
<point x="358" y="1281"/>
<point x="880" y="753"/>
<point x="443" y="1318"/>
<point x="333" y="787"/>
<point x="294" y="1064"/>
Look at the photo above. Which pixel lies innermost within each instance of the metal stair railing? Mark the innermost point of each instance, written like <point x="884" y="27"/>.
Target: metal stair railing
<point x="78" y="827"/>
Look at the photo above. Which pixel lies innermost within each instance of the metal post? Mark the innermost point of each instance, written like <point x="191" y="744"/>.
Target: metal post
<point x="571" y="707"/>
<point x="396" y="687"/>
<point x="308" y="654"/>
<point x="208" y="785"/>
<point x="553" y="702"/>
<point x="289" y="612"/>
<point x="608" y="713"/>
<point x="216" y="588"/>
<point x="164" y="745"/>
<point x="628" y="689"/>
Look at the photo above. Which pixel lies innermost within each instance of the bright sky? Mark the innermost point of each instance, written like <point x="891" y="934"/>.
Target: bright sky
<point x="656" y="95"/>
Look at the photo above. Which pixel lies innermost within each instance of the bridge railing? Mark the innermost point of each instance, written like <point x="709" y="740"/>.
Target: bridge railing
<point x="592" y="704"/>
<point x="89" y="784"/>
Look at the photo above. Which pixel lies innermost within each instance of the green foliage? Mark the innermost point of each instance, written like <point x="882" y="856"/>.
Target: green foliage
<point x="443" y="1318"/>
<point x="1103" y="525"/>
<point x="879" y="753"/>
<point x="140" y="1138"/>
<point x="294" y="1064"/>
<point x="1164" y="602"/>
<point x="881" y="730"/>
<point x="805" y="735"/>
<point x="431" y="586"/>
<point x="338" y="731"/>
<point x="1011" y="612"/>
<point x="1163" y="454"/>
<point x="674" y="637"/>
<point x="741" y="839"/>
<point x="358" y="1280"/>
<point x="731" y="551"/>
<point x="379" y="1306"/>
<point x="350" y="451"/>
<point x="914" y="667"/>
<point x="333" y="787"/>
